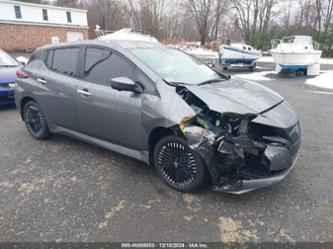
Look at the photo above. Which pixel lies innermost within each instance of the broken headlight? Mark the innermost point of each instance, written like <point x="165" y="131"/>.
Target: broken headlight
<point x="215" y="128"/>
<point x="197" y="131"/>
<point x="196" y="136"/>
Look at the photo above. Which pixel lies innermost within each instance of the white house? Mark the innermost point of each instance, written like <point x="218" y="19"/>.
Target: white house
<point x="26" y="26"/>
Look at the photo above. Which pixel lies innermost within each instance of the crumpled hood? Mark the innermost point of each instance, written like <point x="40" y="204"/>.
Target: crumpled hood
<point x="8" y="74"/>
<point x="236" y="96"/>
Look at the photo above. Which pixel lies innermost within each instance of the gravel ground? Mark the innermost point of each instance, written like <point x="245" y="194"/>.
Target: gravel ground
<point x="66" y="190"/>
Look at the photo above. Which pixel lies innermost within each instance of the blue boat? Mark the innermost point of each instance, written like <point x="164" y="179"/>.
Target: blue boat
<point x="238" y="55"/>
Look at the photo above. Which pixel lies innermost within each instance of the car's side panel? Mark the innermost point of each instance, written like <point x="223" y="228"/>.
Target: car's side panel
<point x="107" y="113"/>
<point x="141" y="155"/>
<point x="110" y="115"/>
<point x="24" y="89"/>
<point x="56" y="93"/>
<point x="167" y="110"/>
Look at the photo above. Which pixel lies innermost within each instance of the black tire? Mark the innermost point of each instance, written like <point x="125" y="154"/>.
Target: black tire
<point x="178" y="165"/>
<point x="253" y="67"/>
<point x="287" y="73"/>
<point x="35" y="121"/>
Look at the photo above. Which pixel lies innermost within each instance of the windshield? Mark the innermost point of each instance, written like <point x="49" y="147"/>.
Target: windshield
<point x="7" y="60"/>
<point x="176" y="67"/>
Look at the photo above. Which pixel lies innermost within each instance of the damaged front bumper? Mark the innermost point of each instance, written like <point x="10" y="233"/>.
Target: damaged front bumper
<point x="245" y="152"/>
<point x="253" y="167"/>
<point x="243" y="186"/>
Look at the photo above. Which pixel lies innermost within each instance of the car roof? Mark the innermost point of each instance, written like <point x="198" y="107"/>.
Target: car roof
<point x="114" y="44"/>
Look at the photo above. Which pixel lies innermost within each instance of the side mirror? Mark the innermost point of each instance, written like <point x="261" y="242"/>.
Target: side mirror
<point x="125" y="84"/>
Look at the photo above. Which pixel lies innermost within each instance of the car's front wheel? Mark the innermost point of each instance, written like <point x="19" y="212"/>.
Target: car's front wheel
<point x="178" y="165"/>
<point x="35" y="121"/>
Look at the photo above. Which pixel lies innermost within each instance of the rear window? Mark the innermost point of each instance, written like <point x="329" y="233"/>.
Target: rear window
<point x="64" y="60"/>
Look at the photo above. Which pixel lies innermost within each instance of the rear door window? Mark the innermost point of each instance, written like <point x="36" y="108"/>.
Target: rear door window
<point x="65" y="60"/>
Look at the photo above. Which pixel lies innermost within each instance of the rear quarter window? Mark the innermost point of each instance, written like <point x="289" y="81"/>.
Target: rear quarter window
<point x="49" y="58"/>
<point x="35" y="56"/>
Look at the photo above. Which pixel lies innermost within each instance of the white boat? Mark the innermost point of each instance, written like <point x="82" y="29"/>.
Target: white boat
<point x="297" y="53"/>
<point x="238" y="54"/>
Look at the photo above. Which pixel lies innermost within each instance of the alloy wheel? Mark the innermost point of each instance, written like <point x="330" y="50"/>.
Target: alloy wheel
<point x="34" y="119"/>
<point x="177" y="163"/>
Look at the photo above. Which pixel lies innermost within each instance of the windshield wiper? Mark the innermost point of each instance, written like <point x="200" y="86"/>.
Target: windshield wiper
<point x="177" y="83"/>
<point x="174" y="83"/>
<point x="210" y="81"/>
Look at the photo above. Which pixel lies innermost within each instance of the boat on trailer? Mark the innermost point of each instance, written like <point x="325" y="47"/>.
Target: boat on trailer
<point x="238" y="55"/>
<point x="296" y="54"/>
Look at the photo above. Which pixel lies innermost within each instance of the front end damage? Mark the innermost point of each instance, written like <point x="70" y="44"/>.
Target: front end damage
<point x="241" y="152"/>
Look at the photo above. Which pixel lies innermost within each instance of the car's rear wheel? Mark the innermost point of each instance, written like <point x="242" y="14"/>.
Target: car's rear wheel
<point x="178" y="165"/>
<point x="35" y="121"/>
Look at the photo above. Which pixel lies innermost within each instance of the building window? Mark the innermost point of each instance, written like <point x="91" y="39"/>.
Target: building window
<point x="18" y="13"/>
<point x="45" y="15"/>
<point x="69" y="17"/>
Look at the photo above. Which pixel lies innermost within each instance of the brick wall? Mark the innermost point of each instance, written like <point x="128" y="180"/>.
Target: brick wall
<point x="15" y="37"/>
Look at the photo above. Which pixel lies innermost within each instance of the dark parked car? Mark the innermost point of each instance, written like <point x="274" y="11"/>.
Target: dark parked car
<point x="163" y="107"/>
<point x="8" y="68"/>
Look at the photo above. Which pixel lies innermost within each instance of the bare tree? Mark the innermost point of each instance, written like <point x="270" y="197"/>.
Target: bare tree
<point x="243" y="20"/>
<point x="328" y="14"/>
<point x="135" y="18"/>
<point x="200" y="11"/>
<point x="286" y="15"/>
<point x="254" y="16"/>
<point x="70" y="3"/>
<point x="221" y="7"/>
<point x="148" y="15"/>
<point x="316" y="15"/>
<point x="319" y="14"/>
<point x="174" y="19"/>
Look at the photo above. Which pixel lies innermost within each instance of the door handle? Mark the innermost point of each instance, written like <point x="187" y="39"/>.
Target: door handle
<point x="84" y="92"/>
<point x="42" y="81"/>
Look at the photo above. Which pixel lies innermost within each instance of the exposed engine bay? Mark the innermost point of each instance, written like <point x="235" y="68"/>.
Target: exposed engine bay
<point x="235" y="148"/>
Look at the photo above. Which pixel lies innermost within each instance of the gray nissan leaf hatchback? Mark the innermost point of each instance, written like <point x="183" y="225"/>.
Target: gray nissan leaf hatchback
<point x="163" y="107"/>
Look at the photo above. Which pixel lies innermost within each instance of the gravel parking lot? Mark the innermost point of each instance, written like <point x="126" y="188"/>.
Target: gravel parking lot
<point x="66" y="190"/>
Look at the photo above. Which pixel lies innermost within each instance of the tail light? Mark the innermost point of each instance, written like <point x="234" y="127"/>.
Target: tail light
<point x="22" y="75"/>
